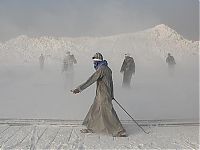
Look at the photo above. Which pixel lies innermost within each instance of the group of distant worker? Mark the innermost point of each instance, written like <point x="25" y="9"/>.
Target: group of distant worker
<point x="127" y="68"/>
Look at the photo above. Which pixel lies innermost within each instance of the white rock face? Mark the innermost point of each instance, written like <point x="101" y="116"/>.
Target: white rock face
<point x="145" y="46"/>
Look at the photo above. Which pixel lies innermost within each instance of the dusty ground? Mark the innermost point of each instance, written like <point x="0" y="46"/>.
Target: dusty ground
<point x="60" y="134"/>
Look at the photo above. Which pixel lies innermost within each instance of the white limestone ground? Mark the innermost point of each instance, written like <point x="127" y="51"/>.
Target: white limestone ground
<point x="44" y="134"/>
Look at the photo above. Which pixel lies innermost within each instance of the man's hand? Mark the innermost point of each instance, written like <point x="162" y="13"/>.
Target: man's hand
<point x="75" y="91"/>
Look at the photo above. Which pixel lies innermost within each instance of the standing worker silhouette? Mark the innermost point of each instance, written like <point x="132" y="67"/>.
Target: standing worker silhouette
<point x="128" y="69"/>
<point x="41" y="61"/>
<point x="68" y="69"/>
<point x="171" y="64"/>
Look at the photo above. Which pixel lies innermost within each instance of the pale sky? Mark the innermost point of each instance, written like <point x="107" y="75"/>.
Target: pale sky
<point x="74" y="18"/>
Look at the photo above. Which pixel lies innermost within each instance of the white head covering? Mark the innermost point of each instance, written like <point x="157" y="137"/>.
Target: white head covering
<point x="96" y="59"/>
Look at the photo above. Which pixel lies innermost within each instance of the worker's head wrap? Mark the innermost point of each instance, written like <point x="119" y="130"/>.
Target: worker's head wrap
<point x="98" y="61"/>
<point x="98" y="64"/>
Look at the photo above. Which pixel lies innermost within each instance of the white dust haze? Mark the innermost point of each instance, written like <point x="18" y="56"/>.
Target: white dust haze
<point x="27" y="92"/>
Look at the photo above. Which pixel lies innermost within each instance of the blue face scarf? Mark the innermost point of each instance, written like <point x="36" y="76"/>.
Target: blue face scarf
<point x="98" y="64"/>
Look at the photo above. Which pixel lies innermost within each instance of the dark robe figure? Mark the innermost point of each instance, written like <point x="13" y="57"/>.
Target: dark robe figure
<point x="128" y="69"/>
<point x="101" y="117"/>
<point x="171" y="64"/>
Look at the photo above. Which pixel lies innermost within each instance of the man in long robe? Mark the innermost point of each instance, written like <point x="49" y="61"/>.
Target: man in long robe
<point x="101" y="117"/>
<point x="128" y="69"/>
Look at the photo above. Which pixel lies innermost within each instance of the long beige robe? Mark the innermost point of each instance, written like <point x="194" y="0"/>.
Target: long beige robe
<point x="102" y="117"/>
